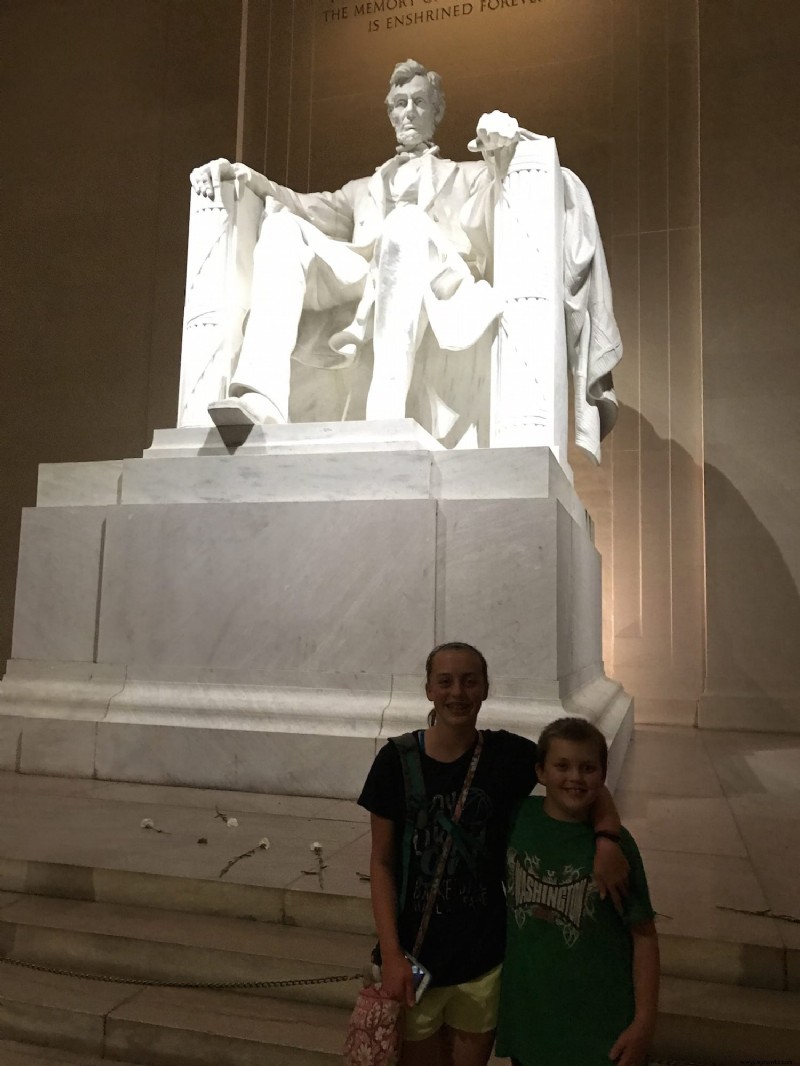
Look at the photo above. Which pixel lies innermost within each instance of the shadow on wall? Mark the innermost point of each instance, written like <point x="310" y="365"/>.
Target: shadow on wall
<point x="753" y="604"/>
<point x="18" y="490"/>
<point x="708" y="613"/>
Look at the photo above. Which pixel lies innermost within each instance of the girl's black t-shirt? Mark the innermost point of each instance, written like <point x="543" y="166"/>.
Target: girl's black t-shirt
<point x="466" y="935"/>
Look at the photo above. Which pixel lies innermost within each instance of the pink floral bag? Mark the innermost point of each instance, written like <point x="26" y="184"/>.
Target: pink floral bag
<point x="375" y="1030"/>
<point x="374" y="1034"/>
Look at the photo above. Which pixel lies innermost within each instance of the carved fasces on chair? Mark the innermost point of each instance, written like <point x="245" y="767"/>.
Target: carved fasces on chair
<point x="528" y="400"/>
<point x="222" y="236"/>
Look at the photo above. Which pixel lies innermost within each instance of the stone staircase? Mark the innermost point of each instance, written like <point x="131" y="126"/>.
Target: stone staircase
<point x="132" y="923"/>
<point x="296" y="1025"/>
<point x="13" y="1053"/>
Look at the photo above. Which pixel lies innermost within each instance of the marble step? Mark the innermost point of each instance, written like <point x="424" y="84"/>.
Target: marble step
<point x="13" y="1053"/>
<point x="16" y="1054"/>
<point x="166" y="1027"/>
<point x="708" y="1024"/>
<point x="83" y="840"/>
<point x="707" y="958"/>
<point x="698" y="1020"/>
<point x="185" y="893"/>
<point x="149" y="944"/>
<point x="699" y="1023"/>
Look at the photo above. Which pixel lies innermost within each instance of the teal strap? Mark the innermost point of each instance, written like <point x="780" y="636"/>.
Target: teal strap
<point x="408" y="748"/>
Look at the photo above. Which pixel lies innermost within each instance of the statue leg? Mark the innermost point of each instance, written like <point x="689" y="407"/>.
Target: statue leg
<point x="281" y="264"/>
<point x="402" y="273"/>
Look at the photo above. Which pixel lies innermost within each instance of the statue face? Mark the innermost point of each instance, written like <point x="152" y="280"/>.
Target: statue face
<point x="411" y="111"/>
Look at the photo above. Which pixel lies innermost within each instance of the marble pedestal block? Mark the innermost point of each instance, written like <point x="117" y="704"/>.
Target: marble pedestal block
<point x="258" y="617"/>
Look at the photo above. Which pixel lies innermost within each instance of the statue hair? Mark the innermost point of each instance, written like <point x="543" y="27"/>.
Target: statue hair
<point x="409" y="69"/>
<point x="574" y="729"/>
<point x="453" y="645"/>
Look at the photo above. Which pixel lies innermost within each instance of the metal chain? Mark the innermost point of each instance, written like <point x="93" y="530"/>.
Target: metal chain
<point x="680" y="1062"/>
<point x="217" y="985"/>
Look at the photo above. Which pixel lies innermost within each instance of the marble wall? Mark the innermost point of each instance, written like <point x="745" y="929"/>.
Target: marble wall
<point x="750" y="138"/>
<point x="106" y="109"/>
<point x="660" y="106"/>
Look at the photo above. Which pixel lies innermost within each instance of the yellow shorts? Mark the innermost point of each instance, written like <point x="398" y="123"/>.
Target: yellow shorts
<point x="470" y="1007"/>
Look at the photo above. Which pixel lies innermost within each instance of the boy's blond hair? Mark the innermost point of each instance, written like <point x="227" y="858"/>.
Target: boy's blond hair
<point x="577" y="729"/>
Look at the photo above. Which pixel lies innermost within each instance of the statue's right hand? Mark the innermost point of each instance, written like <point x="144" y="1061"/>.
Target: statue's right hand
<point x="204" y="179"/>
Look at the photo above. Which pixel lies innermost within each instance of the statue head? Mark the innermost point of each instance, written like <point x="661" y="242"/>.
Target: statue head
<point x="415" y="103"/>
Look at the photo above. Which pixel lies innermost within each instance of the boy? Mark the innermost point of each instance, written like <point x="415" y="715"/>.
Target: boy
<point x="580" y="983"/>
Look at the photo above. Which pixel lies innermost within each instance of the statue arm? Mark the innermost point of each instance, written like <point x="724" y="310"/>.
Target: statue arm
<point x="206" y="179"/>
<point x="330" y="212"/>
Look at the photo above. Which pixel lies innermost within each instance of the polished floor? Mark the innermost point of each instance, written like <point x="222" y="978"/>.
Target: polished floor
<point x="717" y="818"/>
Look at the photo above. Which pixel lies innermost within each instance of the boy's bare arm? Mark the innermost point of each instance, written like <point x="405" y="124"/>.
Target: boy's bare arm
<point x="396" y="979"/>
<point x="633" y="1044"/>
<point x="611" y="869"/>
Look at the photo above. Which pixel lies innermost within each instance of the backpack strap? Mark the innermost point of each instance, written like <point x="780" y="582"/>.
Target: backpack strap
<point x="408" y="749"/>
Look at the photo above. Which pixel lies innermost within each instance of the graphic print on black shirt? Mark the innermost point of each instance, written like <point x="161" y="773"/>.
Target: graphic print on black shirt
<point x="461" y="887"/>
<point x="466" y="935"/>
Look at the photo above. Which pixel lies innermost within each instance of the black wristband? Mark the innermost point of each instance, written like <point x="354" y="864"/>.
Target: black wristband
<point x="606" y="834"/>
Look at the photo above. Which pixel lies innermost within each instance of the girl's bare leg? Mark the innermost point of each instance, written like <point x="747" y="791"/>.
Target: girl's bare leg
<point x="467" y="1049"/>
<point x="423" y="1052"/>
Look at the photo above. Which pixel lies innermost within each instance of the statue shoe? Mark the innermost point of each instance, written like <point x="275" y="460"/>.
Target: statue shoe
<point x="249" y="409"/>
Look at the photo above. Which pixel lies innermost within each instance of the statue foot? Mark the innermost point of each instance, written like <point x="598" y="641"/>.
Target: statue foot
<point x="249" y="409"/>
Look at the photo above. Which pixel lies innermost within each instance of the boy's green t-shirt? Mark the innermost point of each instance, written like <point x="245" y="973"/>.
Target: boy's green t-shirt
<point x="567" y="990"/>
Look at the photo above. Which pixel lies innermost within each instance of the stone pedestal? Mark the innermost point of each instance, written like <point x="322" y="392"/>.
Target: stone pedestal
<point x="258" y="617"/>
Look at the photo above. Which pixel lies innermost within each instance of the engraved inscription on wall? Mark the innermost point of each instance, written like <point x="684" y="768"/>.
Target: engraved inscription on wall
<point x="383" y="15"/>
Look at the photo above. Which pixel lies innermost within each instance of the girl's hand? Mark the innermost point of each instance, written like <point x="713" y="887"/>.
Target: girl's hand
<point x="397" y="981"/>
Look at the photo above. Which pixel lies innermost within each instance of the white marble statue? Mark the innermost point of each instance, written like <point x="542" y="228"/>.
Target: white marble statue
<point x="410" y="245"/>
<point x="399" y="261"/>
